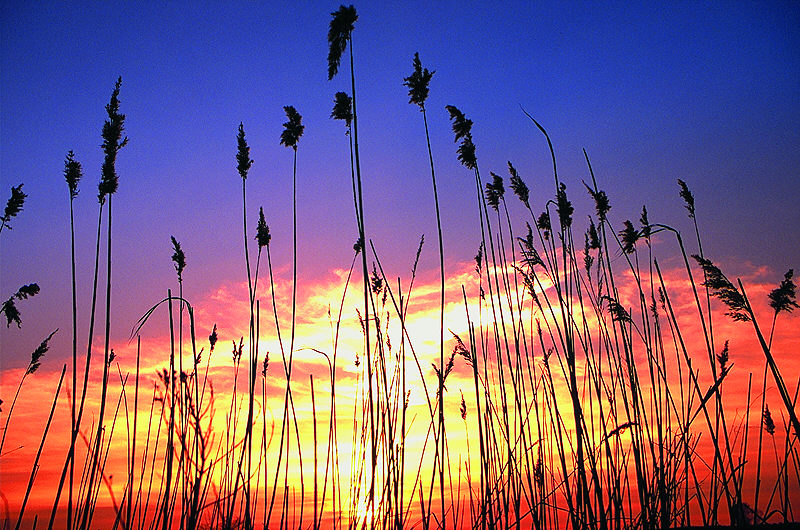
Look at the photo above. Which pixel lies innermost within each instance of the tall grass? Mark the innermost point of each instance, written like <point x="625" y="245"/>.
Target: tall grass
<point x="589" y="381"/>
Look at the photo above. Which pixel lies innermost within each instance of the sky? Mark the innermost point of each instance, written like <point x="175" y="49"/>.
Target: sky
<point x="706" y="92"/>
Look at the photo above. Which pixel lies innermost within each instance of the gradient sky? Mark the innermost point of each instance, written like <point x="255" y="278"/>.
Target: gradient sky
<point x="708" y="92"/>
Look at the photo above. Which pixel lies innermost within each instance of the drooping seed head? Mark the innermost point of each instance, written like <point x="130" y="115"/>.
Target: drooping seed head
<point x="13" y="205"/>
<point x="341" y="26"/>
<point x="518" y="186"/>
<point x="495" y="191"/>
<point x="687" y="197"/>
<point x="38" y="353"/>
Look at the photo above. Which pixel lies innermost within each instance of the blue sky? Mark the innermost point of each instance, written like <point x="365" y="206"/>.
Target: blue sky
<point x="708" y="92"/>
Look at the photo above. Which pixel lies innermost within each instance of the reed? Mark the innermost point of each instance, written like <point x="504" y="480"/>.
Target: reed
<point x="587" y="387"/>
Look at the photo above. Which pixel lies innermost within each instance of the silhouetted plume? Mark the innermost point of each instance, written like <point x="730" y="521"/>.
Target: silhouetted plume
<point x="723" y="289"/>
<point x="178" y="258"/>
<point x="212" y="339"/>
<point x="9" y="307"/>
<point x="343" y="108"/>
<point x="629" y="237"/>
<point x="13" y="206"/>
<point x="292" y="129"/>
<point x="529" y="254"/>
<point x="243" y="154"/>
<point x="479" y="260"/>
<point x="564" y="207"/>
<point x="265" y="365"/>
<point x="462" y="127"/>
<point x="38" y="353"/>
<point x="588" y="259"/>
<point x="783" y="297"/>
<point x="463" y="408"/>
<point x="601" y="203"/>
<point x="417" y="83"/>
<point x="769" y="424"/>
<point x="543" y="224"/>
<point x="338" y="34"/>
<point x="262" y="230"/>
<point x="687" y="197"/>
<point x="722" y="356"/>
<point x="461" y="349"/>
<point x="112" y="132"/>
<point x="519" y="187"/>
<point x="617" y="311"/>
<point x="72" y="173"/>
<point x="593" y="238"/>
<point x="645" y="223"/>
<point x="495" y="190"/>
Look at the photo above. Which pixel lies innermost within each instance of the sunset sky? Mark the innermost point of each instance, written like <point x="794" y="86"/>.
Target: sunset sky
<point x="707" y="92"/>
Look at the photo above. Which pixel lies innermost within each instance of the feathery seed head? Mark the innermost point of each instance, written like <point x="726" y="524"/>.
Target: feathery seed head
<point x="494" y="190"/>
<point x="243" y="154"/>
<point x="38" y="353"/>
<point x="341" y="26"/>
<point x="601" y="203"/>
<point x="343" y="108"/>
<point x="592" y="236"/>
<point x="178" y="258"/>
<point x="519" y="187"/>
<point x="292" y="129"/>
<point x="13" y="206"/>
<point x="646" y="230"/>
<point x="72" y="173"/>
<point x="462" y="127"/>
<point x="543" y="224"/>
<point x="417" y="83"/>
<point x="769" y="423"/>
<point x="783" y="297"/>
<point x="262" y="230"/>
<point x="564" y="207"/>
<point x="687" y="197"/>
<point x="723" y="289"/>
<point x="212" y="339"/>
<point x="629" y="237"/>
<point x="722" y="356"/>
<point x="112" y="133"/>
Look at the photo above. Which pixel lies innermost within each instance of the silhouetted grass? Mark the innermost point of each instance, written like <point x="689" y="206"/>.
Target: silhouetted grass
<point x="586" y="400"/>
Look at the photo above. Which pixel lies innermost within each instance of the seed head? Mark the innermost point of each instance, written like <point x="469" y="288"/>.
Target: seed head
<point x="519" y="187"/>
<point x="629" y="237"/>
<point x="687" y="197"/>
<point x="243" y="155"/>
<point x="112" y="132"/>
<point x="13" y="206"/>
<point x="339" y="31"/>
<point x="292" y="129"/>
<point x="783" y="297"/>
<point x="38" y="353"/>
<point x="417" y="83"/>
<point x="262" y="230"/>
<point x="72" y="173"/>
<point x="178" y="258"/>
<point x="343" y="108"/>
